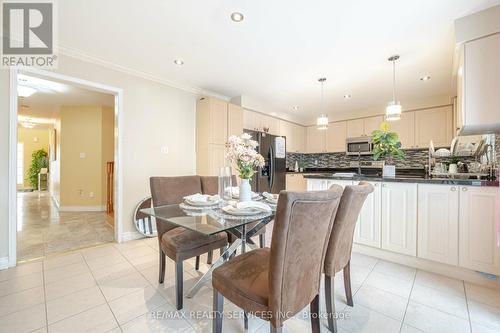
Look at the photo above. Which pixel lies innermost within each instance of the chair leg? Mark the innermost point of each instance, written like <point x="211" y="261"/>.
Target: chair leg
<point x="178" y="284"/>
<point x="275" y="329"/>
<point x="210" y="256"/>
<point x="197" y="263"/>
<point x="245" y="321"/>
<point x="347" y="283"/>
<point x="262" y="241"/>
<point x="161" y="278"/>
<point x="314" y="308"/>
<point x="330" y="303"/>
<point x="218" y="309"/>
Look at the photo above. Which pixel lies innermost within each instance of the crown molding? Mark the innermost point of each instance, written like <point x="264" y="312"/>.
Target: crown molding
<point x="77" y="54"/>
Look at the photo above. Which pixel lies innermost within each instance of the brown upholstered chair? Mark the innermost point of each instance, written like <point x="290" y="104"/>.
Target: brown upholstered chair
<point x="278" y="282"/>
<point x="179" y="243"/>
<point x="338" y="255"/>
<point x="210" y="185"/>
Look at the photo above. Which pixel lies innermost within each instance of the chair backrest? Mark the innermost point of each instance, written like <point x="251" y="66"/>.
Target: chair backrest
<point x="210" y="184"/>
<point x="339" y="249"/>
<point x="302" y="228"/>
<point x="171" y="190"/>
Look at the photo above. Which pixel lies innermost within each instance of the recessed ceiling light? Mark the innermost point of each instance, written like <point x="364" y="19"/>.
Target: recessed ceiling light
<point x="179" y="62"/>
<point x="425" y="78"/>
<point x="295" y="108"/>
<point x="347" y="96"/>
<point x="237" y="17"/>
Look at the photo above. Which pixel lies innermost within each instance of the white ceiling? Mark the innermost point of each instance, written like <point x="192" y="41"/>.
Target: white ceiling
<point x="282" y="47"/>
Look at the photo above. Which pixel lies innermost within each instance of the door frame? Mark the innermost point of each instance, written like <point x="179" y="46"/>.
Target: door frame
<point x="118" y="184"/>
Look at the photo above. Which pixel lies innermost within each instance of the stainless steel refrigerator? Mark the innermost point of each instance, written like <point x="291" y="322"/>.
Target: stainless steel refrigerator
<point x="272" y="177"/>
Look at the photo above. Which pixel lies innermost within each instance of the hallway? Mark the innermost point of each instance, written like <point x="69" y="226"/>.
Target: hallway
<point x="43" y="230"/>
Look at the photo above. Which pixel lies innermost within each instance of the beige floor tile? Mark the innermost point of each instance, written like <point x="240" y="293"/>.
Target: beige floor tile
<point x="106" y="260"/>
<point x="396" y="270"/>
<point x="431" y="320"/>
<point x="68" y="286"/>
<point x="73" y="304"/>
<point x="40" y="330"/>
<point x="478" y="328"/>
<point x="361" y="319"/>
<point x="451" y="304"/>
<point x="97" y="319"/>
<point x="113" y="289"/>
<point x="21" y="283"/>
<point x="483" y="295"/>
<point x="139" y="251"/>
<point x="129" y="245"/>
<point x="146" y="261"/>
<point x="21" y="300"/>
<point x="161" y="319"/>
<point x="62" y="260"/>
<point x="381" y="301"/>
<point x="100" y="252"/>
<point x="439" y="282"/>
<point x="61" y="273"/>
<point x="390" y="284"/>
<point x="136" y="304"/>
<point x="484" y="314"/>
<point x="25" y="320"/>
<point x="113" y="272"/>
<point x="409" y="329"/>
<point x="21" y="270"/>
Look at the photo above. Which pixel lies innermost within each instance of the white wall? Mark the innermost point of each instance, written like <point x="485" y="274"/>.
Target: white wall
<point x="4" y="163"/>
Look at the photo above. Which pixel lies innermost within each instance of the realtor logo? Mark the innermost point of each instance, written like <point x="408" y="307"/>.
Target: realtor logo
<point x="28" y="34"/>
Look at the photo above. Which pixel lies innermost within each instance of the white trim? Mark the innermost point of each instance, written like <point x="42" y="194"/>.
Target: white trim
<point x="117" y="92"/>
<point x="4" y="263"/>
<point x="56" y="202"/>
<point x="131" y="235"/>
<point x="82" y="208"/>
<point x="77" y="54"/>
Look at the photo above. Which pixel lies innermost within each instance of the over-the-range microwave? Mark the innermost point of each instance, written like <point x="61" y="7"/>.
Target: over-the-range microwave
<point x="359" y="146"/>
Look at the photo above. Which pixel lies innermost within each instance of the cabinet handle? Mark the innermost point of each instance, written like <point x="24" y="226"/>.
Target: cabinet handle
<point x="453" y="189"/>
<point x="464" y="189"/>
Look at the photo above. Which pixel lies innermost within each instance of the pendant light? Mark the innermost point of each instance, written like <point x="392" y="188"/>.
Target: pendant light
<point x="393" y="110"/>
<point x="322" y="121"/>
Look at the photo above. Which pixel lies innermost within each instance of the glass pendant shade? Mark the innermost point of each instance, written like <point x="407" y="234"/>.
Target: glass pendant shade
<point x="393" y="111"/>
<point x="322" y="122"/>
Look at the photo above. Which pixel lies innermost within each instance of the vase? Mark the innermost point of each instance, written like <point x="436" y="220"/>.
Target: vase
<point x="389" y="170"/>
<point x="245" y="190"/>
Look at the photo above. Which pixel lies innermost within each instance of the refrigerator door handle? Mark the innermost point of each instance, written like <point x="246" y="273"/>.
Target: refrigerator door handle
<point x="271" y="168"/>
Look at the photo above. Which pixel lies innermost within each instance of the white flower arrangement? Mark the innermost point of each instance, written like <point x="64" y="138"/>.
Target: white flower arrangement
<point x="242" y="151"/>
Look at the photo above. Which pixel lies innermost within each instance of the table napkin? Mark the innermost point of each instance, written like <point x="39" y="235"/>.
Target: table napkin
<point x="197" y="197"/>
<point x="248" y="205"/>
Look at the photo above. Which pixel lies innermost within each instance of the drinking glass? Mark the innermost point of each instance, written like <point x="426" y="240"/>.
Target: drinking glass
<point x="225" y="183"/>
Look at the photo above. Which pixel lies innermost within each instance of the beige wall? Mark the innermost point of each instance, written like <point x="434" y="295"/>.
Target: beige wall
<point x="55" y="165"/>
<point x="108" y="146"/>
<point x="4" y="163"/>
<point x="33" y="139"/>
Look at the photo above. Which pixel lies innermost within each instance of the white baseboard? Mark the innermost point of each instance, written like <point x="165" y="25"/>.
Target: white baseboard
<point x="4" y="263"/>
<point x="82" y="208"/>
<point x="453" y="272"/>
<point x="128" y="236"/>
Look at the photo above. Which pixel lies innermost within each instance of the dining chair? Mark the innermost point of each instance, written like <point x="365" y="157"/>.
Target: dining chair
<point x="178" y="243"/>
<point x="338" y="254"/>
<point x="210" y="185"/>
<point x="276" y="283"/>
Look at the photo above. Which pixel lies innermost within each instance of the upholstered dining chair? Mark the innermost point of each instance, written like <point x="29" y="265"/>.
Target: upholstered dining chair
<point x="338" y="254"/>
<point x="278" y="282"/>
<point x="179" y="243"/>
<point x="210" y="185"/>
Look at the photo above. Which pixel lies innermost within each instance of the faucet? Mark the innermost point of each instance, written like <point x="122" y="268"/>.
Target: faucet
<point x="359" y="161"/>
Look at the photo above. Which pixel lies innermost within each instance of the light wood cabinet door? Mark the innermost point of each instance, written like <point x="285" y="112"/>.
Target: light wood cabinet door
<point x="368" y="226"/>
<point x="315" y="140"/>
<point x="399" y="218"/>
<point x="299" y="141"/>
<point x="286" y="130"/>
<point x="296" y="182"/>
<point x="336" y="137"/>
<point x="477" y="225"/>
<point x="234" y="120"/>
<point x="433" y="124"/>
<point x="273" y="124"/>
<point x="405" y="127"/>
<point x="371" y="124"/>
<point x="218" y="121"/>
<point x="249" y="121"/>
<point x="217" y="158"/>
<point x="355" y="128"/>
<point x="438" y="223"/>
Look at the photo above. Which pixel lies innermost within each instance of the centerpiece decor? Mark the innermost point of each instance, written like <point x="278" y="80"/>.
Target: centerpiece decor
<point x="241" y="150"/>
<point x="387" y="144"/>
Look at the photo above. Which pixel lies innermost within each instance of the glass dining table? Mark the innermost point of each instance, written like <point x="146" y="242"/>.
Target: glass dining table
<point x="210" y="221"/>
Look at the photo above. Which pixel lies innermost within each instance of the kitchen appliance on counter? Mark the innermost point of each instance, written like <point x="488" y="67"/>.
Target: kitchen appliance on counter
<point x="359" y="146"/>
<point x="272" y="176"/>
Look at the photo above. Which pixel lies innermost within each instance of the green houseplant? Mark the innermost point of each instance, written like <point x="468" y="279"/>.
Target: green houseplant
<point x="387" y="144"/>
<point x="39" y="160"/>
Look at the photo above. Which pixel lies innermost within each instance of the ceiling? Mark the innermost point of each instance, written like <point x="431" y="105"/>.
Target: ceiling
<point x="277" y="53"/>
<point x="43" y="106"/>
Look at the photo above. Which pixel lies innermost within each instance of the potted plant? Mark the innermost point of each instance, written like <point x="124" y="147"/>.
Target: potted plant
<point x="387" y="144"/>
<point x="39" y="160"/>
<point x="241" y="150"/>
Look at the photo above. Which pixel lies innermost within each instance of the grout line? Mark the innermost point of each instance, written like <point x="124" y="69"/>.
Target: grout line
<point x="408" y="301"/>
<point x="45" y="299"/>
<point x="467" y="304"/>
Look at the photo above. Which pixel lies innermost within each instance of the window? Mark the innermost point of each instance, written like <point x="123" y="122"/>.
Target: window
<point x="20" y="163"/>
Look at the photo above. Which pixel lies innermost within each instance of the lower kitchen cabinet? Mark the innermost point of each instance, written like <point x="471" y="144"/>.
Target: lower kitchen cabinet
<point x="477" y="227"/>
<point x="317" y="184"/>
<point x="370" y="219"/>
<point x="295" y="182"/>
<point x="399" y="218"/>
<point x="438" y="211"/>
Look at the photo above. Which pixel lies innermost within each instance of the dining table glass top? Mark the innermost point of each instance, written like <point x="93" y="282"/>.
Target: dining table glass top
<point x="208" y="221"/>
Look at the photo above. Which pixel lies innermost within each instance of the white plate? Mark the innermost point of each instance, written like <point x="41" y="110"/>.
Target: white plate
<point x="201" y="203"/>
<point x="254" y="196"/>
<point x="242" y="212"/>
<point x="272" y="201"/>
<point x="186" y="206"/>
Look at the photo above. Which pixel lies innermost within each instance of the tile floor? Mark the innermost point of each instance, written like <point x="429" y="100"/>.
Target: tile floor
<point x="43" y="230"/>
<point x="113" y="288"/>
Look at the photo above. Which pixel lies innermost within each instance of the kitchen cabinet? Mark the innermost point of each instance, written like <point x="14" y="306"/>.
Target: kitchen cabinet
<point x="368" y="226"/>
<point x="405" y="127"/>
<point x="234" y="120"/>
<point x="249" y="121"/>
<point x="477" y="229"/>
<point x="317" y="184"/>
<point x="355" y="128"/>
<point x="296" y="182"/>
<point x="316" y="140"/>
<point x="438" y="212"/>
<point x="371" y="124"/>
<point x="433" y="124"/>
<point x="256" y="121"/>
<point x="399" y="218"/>
<point x="299" y="142"/>
<point x="336" y="135"/>
<point x="211" y="120"/>
<point x="295" y="136"/>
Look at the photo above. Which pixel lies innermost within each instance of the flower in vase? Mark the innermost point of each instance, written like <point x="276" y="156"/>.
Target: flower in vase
<point x="241" y="150"/>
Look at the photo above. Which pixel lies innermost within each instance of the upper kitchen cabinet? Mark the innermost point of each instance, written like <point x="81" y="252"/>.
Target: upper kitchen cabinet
<point x="371" y="124"/>
<point x="234" y="120"/>
<point x="211" y="120"/>
<point x="316" y="140"/>
<point x="295" y="136"/>
<point x="250" y="121"/>
<point x="336" y="137"/>
<point x="364" y="126"/>
<point x="405" y="127"/>
<point x="256" y="121"/>
<point x="433" y="124"/>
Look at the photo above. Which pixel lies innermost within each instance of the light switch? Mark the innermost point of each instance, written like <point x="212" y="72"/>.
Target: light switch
<point x="164" y="150"/>
<point x="83" y="155"/>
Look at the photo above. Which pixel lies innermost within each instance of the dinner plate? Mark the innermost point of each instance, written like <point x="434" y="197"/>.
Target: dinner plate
<point x="201" y="203"/>
<point x="242" y="212"/>
<point x="254" y="196"/>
